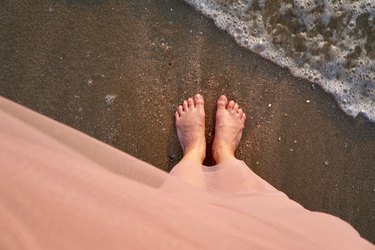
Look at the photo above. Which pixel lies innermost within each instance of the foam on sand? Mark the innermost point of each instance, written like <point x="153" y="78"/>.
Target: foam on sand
<point x="329" y="42"/>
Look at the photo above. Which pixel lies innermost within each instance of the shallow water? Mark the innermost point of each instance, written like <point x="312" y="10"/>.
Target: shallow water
<point x="329" y="42"/>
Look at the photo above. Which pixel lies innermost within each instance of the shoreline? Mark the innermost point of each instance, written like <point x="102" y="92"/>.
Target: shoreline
<point x="62" y="60"/>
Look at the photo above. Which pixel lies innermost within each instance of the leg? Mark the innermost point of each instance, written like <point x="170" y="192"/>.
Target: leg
<point x="230" y="121"/>
<point x="190" y="130"/>
<point x="230" y="175"/>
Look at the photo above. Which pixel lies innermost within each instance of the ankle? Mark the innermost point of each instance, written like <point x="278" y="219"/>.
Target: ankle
<point x="193" y="159"/>
<point x="195" y="155"/>
<point x="222" y="154"/>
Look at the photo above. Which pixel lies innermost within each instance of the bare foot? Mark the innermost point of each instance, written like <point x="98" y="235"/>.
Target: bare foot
<point x="230" y="121"/>
<point x="190" y="129"/>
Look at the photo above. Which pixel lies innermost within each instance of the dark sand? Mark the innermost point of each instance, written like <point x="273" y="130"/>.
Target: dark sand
<point x="62" y="59"/>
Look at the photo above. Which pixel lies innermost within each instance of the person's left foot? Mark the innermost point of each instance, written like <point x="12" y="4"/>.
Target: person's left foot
<point x="190" y="128"/>
<point x="230" y="121"/>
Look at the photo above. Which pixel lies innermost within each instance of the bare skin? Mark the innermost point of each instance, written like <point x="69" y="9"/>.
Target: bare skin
<point x="190" y="129"/>
<point x="230" y="120"/>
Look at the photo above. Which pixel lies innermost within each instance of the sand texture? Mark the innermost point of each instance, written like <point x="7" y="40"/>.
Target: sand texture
<point x="116" y="70"/>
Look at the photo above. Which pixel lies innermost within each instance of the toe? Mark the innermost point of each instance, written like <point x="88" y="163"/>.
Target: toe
<point x="240" y="112"/>
<point x="185" y="105"/>
<point x="199" y="101"/>
<point x="231" y="104"/>
<point x="222" y="102"/>
<point x="243" y="118"/>
<point x="177" y="115"/>
<point x="190" y="103"/>
<point x="235" y="107"/>
<point x="180" y="110"/>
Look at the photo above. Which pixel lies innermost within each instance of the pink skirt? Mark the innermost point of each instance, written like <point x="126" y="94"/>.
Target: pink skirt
<point x="61" y="189"/>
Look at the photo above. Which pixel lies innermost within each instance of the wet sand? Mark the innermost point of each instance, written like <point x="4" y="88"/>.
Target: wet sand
<point x="63" y="59"/>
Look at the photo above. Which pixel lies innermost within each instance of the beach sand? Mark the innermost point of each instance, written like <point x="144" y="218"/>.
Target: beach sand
<point x="117" y="71"/>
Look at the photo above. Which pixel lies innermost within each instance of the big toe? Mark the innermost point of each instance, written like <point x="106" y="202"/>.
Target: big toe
<point x="222" y="102"/>
<point x="199" y="101"/>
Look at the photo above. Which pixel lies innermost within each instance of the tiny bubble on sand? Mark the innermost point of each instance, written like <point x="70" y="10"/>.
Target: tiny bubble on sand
<point x="109" y="99"/>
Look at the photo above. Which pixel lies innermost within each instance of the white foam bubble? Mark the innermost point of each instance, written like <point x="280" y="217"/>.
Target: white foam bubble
<point x="109" y="99"/>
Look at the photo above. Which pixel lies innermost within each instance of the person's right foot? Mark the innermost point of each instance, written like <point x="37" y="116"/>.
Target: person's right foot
<point x="230" y="121"/>
<point x="190" y="129"/>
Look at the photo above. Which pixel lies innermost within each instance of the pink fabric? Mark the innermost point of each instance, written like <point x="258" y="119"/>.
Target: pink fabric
<point x="228" y="178"/>
<point x="61" y="189"/>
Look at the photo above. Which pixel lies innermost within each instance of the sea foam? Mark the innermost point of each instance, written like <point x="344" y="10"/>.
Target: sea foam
<point x="328" y="42"/>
